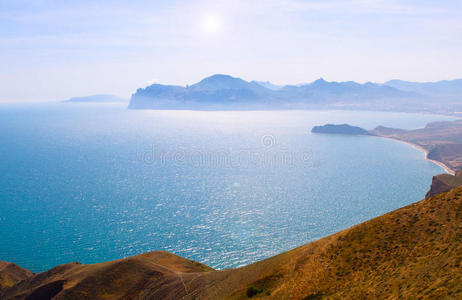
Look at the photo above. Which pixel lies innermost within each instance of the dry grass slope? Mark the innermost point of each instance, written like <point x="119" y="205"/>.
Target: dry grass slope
<point x="411" y="253"/>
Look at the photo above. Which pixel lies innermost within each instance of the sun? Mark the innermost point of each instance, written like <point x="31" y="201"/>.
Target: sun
<point x="212" y="23"/>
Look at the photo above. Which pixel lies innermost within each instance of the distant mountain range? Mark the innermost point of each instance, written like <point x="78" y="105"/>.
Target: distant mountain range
<point x="445" y="88"/>
<point x="102" y="98"/>
<point x="227" y="92"/>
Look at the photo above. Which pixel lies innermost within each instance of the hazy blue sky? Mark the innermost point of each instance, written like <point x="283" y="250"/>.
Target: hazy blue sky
<point x="52" y="50"/>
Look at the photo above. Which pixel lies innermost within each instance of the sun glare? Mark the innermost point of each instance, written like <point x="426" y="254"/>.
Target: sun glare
<point x="211" y="24"/>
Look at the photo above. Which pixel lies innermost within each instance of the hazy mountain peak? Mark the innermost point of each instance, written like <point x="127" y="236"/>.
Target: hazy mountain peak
<point x="218" y="77"/>
<point x="220" y="82"/>
<point x="319" y="81"/>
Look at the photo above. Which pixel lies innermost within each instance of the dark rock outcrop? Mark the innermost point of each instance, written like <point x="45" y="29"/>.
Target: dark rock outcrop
<point x="444" y="182"/>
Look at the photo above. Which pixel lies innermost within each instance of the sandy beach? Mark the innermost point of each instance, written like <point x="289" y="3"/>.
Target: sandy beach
<point x="439" y="163"/>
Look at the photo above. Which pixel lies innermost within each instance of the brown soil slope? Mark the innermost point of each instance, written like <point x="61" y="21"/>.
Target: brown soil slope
<point x="412" y="253"/>
<point x="10" y="274"/>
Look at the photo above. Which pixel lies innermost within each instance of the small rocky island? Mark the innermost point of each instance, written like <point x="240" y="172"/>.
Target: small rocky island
<point x="103" y="98"/>
<point x="340" y="129"/>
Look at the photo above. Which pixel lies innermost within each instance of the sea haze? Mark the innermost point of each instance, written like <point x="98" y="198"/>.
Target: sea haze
<point x="92" y="182"/>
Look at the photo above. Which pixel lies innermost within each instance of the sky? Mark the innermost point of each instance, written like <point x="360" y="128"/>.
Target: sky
<point x="54" y="50"/>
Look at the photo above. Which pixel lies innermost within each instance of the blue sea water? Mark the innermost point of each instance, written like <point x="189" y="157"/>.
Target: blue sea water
<point x="90" y="183"/>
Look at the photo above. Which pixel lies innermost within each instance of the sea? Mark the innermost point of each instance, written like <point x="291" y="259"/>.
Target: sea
<point x="98" y="182"/>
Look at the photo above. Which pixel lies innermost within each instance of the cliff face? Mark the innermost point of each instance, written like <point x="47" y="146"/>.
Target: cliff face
<point x="413" y="252"/>
<point x="444" y="182"/>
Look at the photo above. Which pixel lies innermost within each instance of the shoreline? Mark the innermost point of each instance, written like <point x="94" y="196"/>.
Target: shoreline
<point x="446" y="168"/>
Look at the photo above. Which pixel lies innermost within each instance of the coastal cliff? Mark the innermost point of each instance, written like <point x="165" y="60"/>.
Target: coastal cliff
<point x="444" y="182"/>
<point x="413" y="252"/>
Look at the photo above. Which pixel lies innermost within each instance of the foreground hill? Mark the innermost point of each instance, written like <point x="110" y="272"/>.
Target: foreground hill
<point x="412" y="253"/>
<point x="128" y="278"/>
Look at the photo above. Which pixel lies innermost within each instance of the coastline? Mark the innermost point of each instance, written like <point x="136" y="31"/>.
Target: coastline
<point x="446" y="168"/>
